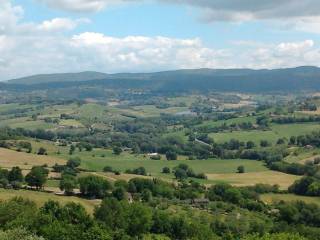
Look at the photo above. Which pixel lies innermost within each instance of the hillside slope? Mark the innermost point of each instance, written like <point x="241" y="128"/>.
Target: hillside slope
<point x="59" y="77"/>
<point x="199" y="80"/>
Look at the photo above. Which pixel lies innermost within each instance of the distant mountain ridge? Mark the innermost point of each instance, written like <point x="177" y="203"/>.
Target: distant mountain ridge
<point x="243" y="80"/>
<point x="59" y="77"/>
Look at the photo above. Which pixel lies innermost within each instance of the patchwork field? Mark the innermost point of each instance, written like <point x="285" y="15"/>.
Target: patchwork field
<point x="277" y="131"/>
<point x="10" y="158"/>
<point x="271" y="197"/>
<point x="98" y="159"/>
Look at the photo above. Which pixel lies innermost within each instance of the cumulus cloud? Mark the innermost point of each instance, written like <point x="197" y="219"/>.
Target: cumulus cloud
<point x="9" y="15"/>
<point x="58" y="24"/>
<point x="215" y="10"/>
<point x="47" y="47"/>
<point x="147" y="53"/>
<point x="301" y="15"/>
<point x="285" y="54"/>
<point x="243" y="10"/>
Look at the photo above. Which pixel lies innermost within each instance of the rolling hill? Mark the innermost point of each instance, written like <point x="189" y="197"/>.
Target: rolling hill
<point x="59" y="77"/>
<point x="201" y="80"/>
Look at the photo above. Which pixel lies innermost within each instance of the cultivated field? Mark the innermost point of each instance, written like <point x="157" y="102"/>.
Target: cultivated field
<point x="271" y="197"/>
<point x="11" y="158"/>
<point x="277" y="131"/>
<point x="250" y="179"/>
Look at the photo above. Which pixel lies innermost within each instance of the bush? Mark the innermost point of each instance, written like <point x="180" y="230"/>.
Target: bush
<point x="166" y="170"/>
<point x="117" y="150"/>
<point x="241" y="169"/>
<point x="138" y="171"/>
<point x="74" y="162"/>
<point x="171" y="155"/>
<point x="108" y="169"/>
<point x="42" y="151"/>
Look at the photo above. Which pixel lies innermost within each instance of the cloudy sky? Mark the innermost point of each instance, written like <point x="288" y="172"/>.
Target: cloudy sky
<point x="50" y="36"/>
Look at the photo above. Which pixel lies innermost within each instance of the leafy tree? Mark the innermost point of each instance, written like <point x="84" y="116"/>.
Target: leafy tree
<point x="68" y="183"/>
<point x="18" y="233"/>
<point x="293" y="140"/>
<point x="146" y="195"/>
<point x="180" y="174"/>
<point x="97" y="233"/>
<point x="264" y="143"/>
<point x="117" y="150"/>
<point x="170" y="155"/>
<point x="121" y="184"/>
<point x="250" y="145"/>
<point x="42" y="151"/>
<point x="302" y="186"/>
<point x="4" y="173"/>
<point x="108" y="169"/>
<point x="94" y="186"/>
<point x="25" y="145"/>
<point x="72" y="149"/>
<point x="278" y="236"/>
<point x="15" y="175"/>
<point x="74" y="162"/>
<point x="233" y="195"/>
<point x="119" y="193"/>
<point x="241" y="169"/>
<point x="140" y="219"/>
<point x="113" y="213"/>
<point x="138" y="171"/>
<point x="166" y="170"/>
<point x="37" y="177"/>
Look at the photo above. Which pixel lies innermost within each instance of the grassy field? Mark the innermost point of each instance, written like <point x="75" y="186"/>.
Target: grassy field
<point x="302" y="155"/>
<point x="272" y="197"/>
<point x="251" y="119"/>
<point x="98" y="159"/>
<point x="10" y="158"/>
<point x="252" y="178"/>
<point x="277" y="131"/>
<point x="244" y="136"/>
<point x="26" y="122"/>
<point x="41" y="197"/>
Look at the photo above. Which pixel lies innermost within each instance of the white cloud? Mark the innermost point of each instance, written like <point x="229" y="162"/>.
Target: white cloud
<point x="47" y="47"/>
<point x="9" y="16"/>
<point x="134" y="53"/>
<point x="301" y="15"/>
<point x="286" y="54"/>
<point x="216" y="10"/>
<point x="60" y="24"/>
<point x="295" y="47"/>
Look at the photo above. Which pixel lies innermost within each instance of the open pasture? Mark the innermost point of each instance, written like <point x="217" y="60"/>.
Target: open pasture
<point x="251" y="119"/>
<point x="98" y="159"/>
<point x="41" y="197"/>
<point x="10" y="158"/>
<point x="277" y="131"/>
<point x="252" y="178"/>
<point x="274" y="198"/>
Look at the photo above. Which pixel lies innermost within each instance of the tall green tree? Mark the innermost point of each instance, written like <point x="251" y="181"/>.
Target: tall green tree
<point x="37" y="177"/>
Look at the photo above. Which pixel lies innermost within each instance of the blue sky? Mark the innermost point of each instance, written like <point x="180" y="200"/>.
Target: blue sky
<point x="45" y="36"/>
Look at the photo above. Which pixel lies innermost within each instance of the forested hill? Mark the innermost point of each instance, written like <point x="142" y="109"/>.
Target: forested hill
<point x="201" y="80"/>
<point x="59" y="77"/>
